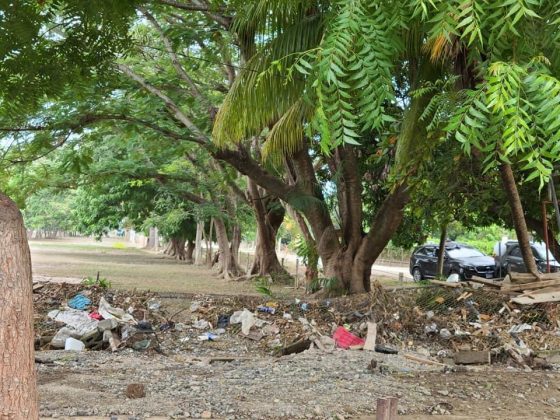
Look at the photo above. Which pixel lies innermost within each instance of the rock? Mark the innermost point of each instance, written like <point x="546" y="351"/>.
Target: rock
<point x="74" y="345"/>
<point x="206" y="415"/>
<point x="59" y="340"/>
<point x="107" y="324"/>
<point x="443" y="392"/>
<point x="431" y="328"/>
<point x="135" y="391"/>
<point x="445" y="334"/>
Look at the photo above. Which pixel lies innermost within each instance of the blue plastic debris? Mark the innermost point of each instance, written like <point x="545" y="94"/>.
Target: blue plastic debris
<point x="79" y="302"/>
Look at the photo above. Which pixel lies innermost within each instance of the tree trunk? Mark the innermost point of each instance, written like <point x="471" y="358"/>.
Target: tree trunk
<point x="176" y="248"/>
<point x="189" y="252"/>
<point x="18" y="388"/>
<point x="518" y="217"/>
<point x="311" y="268"/>
<point x="209" y="242"/>
<point x="441" y="250"/>
<point x="269" y="214"/>
<point x="229" y="268"/>
<point x="198" y="244"/>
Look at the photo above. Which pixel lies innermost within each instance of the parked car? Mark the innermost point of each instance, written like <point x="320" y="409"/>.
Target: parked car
<point x="512" y="260"/>
<point x="459" y="258"/>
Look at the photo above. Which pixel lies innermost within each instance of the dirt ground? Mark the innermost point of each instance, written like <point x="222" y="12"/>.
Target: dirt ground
<point x="190" y="378"/>
<point x="72" y="259"/>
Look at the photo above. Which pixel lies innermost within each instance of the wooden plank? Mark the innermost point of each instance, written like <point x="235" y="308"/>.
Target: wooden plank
<point x="371" y="337"/>
<point x="529" y="278"/>
<point x="386" y="408"/>
<point x="532" y="285"/>
<point x="422" y="360"/>
<point x="538" y="297"/>
<point x="468" y="357"/>
<point x="487" y="282"/>
<point x="445" y="283"/>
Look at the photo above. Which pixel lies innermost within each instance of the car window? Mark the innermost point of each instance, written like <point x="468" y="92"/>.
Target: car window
<point x="539" y="252"/>
<point x="431" y="252"/>
<point x="516" y="252"/>
<point x="421" y="251"/>
<point x="464" y="253"/>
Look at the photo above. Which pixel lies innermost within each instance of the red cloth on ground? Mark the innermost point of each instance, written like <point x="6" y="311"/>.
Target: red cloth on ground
<point x="344" y="338"/>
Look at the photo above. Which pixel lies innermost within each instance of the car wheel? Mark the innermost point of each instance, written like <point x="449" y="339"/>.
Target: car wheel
<point x="417" y="274"/>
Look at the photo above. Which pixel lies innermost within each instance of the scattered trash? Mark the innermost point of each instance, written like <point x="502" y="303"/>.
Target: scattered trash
<point x="95" y="315"/>
<point x="142" y="344"/>
<point x="287" y="316"/>
<point x="59" y="340"/>
<point x="166" y="326"/>
<point x="201" y="324"/>
<point x="304" y="307"/>
<point x="246" y="318"/>
<point x="453" y="278"/>
<point x="266" y="309"/>
<point x="384" y="349"/>
<point x="431" y="328"/>
<point x="107" y="311"/>
<point x="79" y="302"/>
<point x="107" y="324"/>
<point x="154" y="305"/>
<point x="78" y="320"/>
<point x="223" y="321"/>
<point x="207" y="337"/>
<point x="445" y="334"/>
<point x="345" y="339"/>
<point x="195" y="306"/>
<point x="516" y="329"/>
<point x="74" y="345"/>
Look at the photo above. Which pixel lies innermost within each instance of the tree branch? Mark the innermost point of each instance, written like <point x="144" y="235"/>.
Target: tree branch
<point x="199" y="6"/>
<point x="169" y="103"/>
<point x="241" y="161"/>
<point x="175" y="60"/>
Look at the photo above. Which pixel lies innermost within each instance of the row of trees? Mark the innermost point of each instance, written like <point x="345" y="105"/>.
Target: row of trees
<point x="364" y="120"/>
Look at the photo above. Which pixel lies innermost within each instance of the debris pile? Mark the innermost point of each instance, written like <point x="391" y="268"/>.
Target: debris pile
<point x="79" y="317"/>
<point x="429" y="325"/>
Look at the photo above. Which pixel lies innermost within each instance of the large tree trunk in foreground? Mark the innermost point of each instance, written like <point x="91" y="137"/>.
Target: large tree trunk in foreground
<point x="18" y="389"/>
<point x="269" y="214"/>
<point x="518" y="217"/>
<point x="176" y="248"/>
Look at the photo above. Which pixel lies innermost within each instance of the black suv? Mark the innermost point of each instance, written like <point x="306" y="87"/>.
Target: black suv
<point x="461" y="259"/>
<point x="512" y="260"/>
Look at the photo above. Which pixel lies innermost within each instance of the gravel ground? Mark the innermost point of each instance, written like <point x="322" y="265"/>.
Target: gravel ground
<point x="296" y="386"/>
<point x="305" y="385"/>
